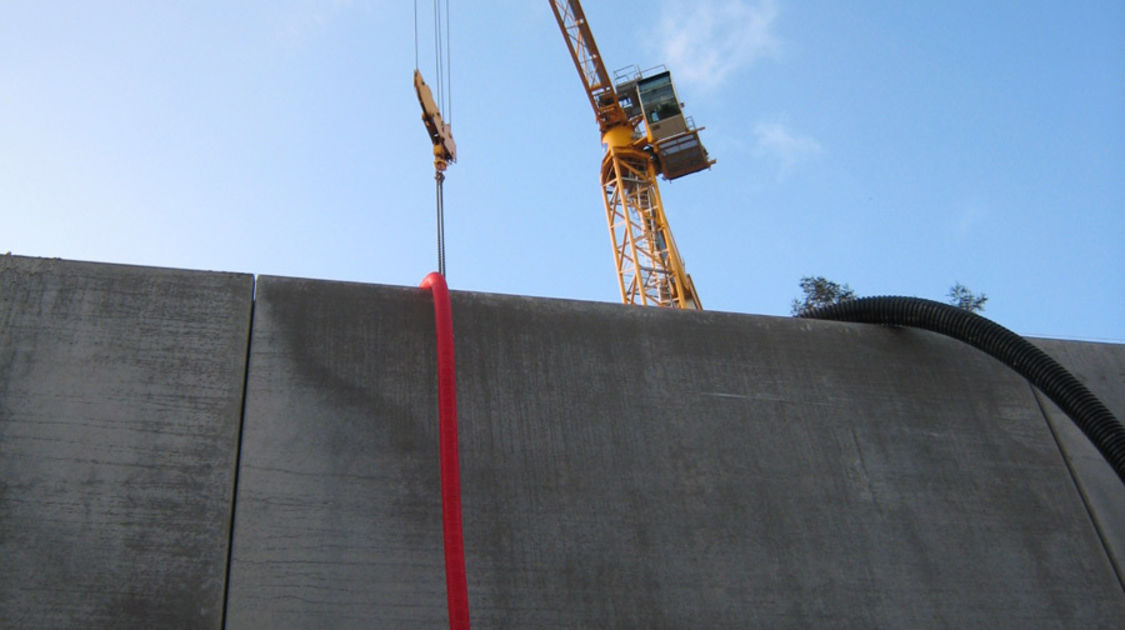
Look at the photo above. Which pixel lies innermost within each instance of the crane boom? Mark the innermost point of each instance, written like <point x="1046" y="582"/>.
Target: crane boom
<point x="645" y="134"/>
<point x="588" y="61"/>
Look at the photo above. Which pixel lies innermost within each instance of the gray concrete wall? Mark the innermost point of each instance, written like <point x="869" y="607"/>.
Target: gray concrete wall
<point x="621" y="467"/>
<point x="120" y="400"/>
<point x="638" y="468"/>
<point x="338" y="521"/>
<point x="1101" y="368"/>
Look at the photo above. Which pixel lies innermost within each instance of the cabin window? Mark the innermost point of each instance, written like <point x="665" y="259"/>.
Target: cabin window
<point x="658" y="98"/>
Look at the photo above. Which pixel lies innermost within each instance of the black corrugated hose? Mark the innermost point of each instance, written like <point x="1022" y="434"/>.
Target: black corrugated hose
<point x="1093" y="417"/>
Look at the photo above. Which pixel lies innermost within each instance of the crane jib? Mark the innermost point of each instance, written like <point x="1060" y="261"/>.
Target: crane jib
<point x="588" y="61"/>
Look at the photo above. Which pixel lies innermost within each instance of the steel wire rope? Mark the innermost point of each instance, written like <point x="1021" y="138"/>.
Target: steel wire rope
<point x="448" y="68"/>
<point x="439" y="179"/>
<point x="438" y="54"/>
<point x="444" y="101"/>
<point x="445" y="104"/>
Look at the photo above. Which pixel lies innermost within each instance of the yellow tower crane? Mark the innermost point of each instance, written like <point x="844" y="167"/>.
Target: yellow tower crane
<point x="645" y="133"/>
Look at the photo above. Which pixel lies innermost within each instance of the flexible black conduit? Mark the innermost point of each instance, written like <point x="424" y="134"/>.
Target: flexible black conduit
<point x="1093" y="417"/>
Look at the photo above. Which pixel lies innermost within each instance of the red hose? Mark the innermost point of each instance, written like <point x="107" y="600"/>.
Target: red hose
<point x="456" y="589"/>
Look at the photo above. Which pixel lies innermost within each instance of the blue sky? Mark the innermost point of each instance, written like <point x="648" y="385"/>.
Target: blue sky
<point x="896" y="146"/>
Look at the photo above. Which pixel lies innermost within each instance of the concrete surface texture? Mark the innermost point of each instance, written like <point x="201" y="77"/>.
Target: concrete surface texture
<point x="120" y="399"/>
<point x="621" y="467"/>
<point x="1101" y="368"/>
<point x="635" y="468"/>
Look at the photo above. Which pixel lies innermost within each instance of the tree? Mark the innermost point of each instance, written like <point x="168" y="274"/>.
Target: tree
<point x="820" y="291"/>
<point x="961" y="297"/>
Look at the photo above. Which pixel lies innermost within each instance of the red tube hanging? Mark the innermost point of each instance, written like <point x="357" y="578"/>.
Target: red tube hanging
<point x="456" y="589"/>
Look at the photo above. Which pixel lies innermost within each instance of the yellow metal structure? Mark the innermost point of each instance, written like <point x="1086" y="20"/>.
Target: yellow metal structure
<point x="640" y="144"/>
<point x="445" y="152"/>
<point x="441" y="135"/>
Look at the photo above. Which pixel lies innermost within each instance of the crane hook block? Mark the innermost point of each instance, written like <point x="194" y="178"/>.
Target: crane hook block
<point x="441" y="134"/>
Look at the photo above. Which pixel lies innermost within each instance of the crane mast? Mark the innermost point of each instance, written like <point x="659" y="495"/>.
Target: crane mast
<point x="645" y="134"/>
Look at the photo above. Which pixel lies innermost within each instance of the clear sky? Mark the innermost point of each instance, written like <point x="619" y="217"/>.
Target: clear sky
<point x="896" y="146"/>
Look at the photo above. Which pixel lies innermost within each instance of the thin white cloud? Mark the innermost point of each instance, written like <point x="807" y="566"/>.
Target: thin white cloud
<point x="706" y="41"/>
<point x="968" y="216"/>
<point x="775" y="141"/>
<point x="299" y="20"/>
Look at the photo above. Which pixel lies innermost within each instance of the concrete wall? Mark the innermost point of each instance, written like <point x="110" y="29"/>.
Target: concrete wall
<point x="1101" y="367"/>
<point x="120" y="400"/>
<point x="621" y="467"/>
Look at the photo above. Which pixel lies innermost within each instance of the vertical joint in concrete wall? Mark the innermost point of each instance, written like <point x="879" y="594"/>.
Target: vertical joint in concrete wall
<point x="238" y="452"/>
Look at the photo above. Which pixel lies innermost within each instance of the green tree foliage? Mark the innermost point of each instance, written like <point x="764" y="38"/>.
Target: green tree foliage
<point x="961" y="297"/>
<point x="820" y="291"/>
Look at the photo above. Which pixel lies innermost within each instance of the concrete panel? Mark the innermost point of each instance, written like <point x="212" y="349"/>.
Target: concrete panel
<point x="337" y="519"/>
<point x="631" y="468"/>
<point x="120" y="399"/>
<point x="1101" y="367"/>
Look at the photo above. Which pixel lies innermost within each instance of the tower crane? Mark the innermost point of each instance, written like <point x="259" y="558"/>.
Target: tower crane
<point x="645" y="133"/>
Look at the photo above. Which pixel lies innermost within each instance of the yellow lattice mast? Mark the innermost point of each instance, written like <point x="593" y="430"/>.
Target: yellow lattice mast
<point x="645" y="133"/>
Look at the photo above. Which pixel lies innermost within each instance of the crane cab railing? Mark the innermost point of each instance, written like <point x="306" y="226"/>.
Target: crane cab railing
<point x="681" y="154"/>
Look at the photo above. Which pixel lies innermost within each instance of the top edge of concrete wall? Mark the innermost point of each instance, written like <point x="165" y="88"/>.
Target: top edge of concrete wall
<point x="488" y="295"/>
<point x="29" y="263"/>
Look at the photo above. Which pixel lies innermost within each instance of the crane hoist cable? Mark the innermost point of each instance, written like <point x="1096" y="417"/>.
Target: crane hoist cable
<point x="438" y="128"/>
